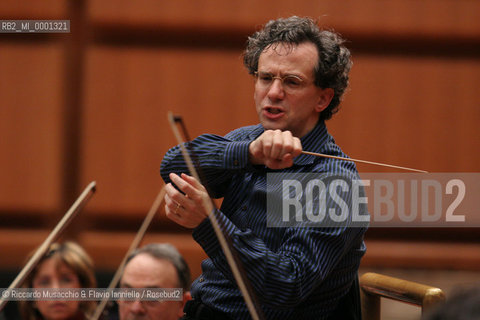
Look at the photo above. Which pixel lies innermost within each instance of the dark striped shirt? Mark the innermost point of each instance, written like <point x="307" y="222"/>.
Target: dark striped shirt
<point x="297" y="273"/>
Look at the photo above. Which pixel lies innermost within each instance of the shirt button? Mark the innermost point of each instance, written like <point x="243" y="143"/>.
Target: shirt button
<point x="235" y="162"/>
<point x="200" y="280"/>
<point x="244" y="208"/>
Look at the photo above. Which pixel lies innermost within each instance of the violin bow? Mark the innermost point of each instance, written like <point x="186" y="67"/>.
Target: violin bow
<point x="61" y="225"/>
<point x="134" y="245"/>
<point x="226" y="245"/>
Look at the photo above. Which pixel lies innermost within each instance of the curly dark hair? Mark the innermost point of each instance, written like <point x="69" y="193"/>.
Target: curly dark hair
<point x="334" y="61"/>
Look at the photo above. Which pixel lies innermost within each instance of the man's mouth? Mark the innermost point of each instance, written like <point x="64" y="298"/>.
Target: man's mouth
<point x="273" y="112"/>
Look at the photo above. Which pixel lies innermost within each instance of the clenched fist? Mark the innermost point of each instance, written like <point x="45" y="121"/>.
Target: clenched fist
<point x="275" y="149"/>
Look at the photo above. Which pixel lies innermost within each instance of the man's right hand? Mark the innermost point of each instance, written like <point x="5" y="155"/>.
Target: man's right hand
<point x="275" y="149"/>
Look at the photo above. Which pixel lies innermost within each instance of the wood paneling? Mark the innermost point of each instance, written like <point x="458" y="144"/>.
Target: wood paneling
<point x="428" y="109"/>
<point x="98" y="98"/>
<point x="396" y="17"/>
<point x="422" y="255"/>
<point x="47" y="9"/>
<point x="30" y="126"/>
<point x="128" y="95"/>
<point x="15" y="245"/>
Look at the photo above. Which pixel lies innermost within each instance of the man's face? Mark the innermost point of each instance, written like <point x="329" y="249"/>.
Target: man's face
<point x="145" y="271"/>
<point x="289" y="107"/>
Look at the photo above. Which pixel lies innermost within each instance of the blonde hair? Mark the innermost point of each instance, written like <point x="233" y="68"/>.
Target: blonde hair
<point x="73" y="256"/>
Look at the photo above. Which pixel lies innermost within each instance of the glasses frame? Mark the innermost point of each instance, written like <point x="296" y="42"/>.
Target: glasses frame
<point x="287" y="87"/>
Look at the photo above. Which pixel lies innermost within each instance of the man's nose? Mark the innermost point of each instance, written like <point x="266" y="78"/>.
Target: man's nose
<point x="137" y="307"/>
<point x="276" y="90"/>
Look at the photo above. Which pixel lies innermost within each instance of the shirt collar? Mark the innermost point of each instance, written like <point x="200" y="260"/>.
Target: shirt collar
<point x="314" y="141"/>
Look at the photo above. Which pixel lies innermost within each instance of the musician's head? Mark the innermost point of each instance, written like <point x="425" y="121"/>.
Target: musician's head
<point x="155" y="266"/>
<point x="65" y="265"/>
<point x="313" y="65"/>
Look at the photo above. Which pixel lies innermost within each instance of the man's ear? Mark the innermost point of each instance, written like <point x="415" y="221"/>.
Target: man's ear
<point x="325" y="96"/>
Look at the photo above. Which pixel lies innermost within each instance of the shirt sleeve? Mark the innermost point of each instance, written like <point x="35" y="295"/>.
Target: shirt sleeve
<point x="217" y="157"/>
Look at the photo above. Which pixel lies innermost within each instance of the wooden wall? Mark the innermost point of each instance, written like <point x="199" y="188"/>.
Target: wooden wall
<point x="92" y="105"/>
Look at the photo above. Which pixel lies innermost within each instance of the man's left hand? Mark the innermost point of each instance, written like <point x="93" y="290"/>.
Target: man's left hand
<point x="188" y="209"/>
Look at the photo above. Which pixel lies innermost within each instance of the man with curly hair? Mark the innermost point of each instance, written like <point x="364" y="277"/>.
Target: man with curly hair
<point x="307" y="272"/>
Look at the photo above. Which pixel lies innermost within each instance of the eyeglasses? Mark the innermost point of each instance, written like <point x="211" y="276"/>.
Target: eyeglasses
<point x="290" y="82"/>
